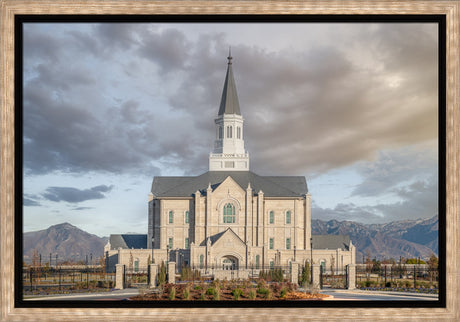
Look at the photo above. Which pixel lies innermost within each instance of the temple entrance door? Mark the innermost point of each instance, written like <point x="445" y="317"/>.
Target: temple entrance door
<point x="229" y="263"/>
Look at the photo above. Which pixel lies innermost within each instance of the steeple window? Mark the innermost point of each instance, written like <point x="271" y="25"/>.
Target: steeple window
<point x="220" y="132"/>
<point x="238" y="132"/>
<point x="229" y="214"/>
<point x="229" y="132"/>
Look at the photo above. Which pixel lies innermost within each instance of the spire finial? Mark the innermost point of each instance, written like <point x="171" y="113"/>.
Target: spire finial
<point x="229" y="55"/>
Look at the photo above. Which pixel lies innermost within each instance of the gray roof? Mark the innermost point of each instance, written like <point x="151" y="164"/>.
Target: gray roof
<point x="271" y="186"/>
<point x="229" y="102"/>
<point x="128" y="241"/>
<point x="331" y="242"/>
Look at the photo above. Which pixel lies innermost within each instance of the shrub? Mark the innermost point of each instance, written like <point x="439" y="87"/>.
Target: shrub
<point x="283" y="292"/>
<point x="187" y="293"/>
<point x="264" y="292"/>
<point x="252" y="294"/>
<point x="237" y="293"/>
<point x="172" y="293"/>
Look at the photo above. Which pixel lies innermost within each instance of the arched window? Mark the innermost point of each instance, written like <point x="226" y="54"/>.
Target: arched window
<point x="171" y="217"/>
<point x="272" y="217"/>
<point x="136" y="265"/>
<point x="288" y="243"/>
<point x="288" y="217"/>
<point x="229" y="214"/>
<point x="271" y="264"/>
<point x="220" y="132"/>
<point x="201" y="261"/>
<point x="187" y="217"/>
<point x="257" y="261"/>
<point x="238" y="132"/>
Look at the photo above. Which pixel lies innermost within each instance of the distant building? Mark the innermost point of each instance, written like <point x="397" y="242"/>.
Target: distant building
<point x="230" y="219"/>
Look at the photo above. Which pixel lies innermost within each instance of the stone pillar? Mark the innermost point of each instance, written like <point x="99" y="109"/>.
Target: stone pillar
<point x="172" y="272"/>
<point x="351" y="277"/>
<point x="153" y="275"/>
<point x="294" y="272"/>
<point x="120" y="276"/>
<point x="316" y="275"/>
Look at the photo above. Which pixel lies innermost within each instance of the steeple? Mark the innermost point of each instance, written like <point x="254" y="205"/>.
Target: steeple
<point x="229" y="153"/>
<point x="229" y="102"/>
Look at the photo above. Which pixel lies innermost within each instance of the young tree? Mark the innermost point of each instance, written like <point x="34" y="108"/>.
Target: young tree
<point x="305" y="276"/>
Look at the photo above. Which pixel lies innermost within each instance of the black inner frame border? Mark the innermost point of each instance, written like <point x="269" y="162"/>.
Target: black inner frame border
<point x="301" y="18"/>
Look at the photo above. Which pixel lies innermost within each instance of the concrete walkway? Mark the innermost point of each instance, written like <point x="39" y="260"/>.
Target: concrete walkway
<point x="111" y="295"/>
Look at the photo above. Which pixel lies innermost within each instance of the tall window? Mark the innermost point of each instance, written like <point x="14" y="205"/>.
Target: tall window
<point x="201" y="261"/>
<point x="171" y="217"/>
<point x="229" y="214"/>
<point x="186" y="217"/>
<point x="271" y="243"/>
<point x="238" y="132"/>
<point x="272" y="217"/>
<point x="229" y="132"/>
<point x="220" y="132"/>
<point x="271" y="264"/>
<point x="186" y="243"/>
<point x="170" y="242"/>
<point x="288" y="243"/>
<point x="288" y="217"/>
<point x="257" y="261"/>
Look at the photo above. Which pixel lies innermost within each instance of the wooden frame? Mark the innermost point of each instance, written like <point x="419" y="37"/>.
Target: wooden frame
<point x="10" y="8"/>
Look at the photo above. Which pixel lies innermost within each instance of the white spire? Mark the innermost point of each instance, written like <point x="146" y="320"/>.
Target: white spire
<point x="229" y="153"/>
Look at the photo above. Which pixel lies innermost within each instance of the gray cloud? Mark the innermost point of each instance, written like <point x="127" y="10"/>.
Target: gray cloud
<point x="417" y="200"/>
<point x="26" y="202"/>
<point x="74" y="195"/>
<point x="305" y="112"/>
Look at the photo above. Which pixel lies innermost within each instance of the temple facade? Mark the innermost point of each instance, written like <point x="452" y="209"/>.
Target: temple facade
<point x="230" y="222"/>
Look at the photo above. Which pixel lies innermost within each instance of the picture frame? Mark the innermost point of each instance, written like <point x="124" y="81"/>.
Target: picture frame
<point x="451" y="10"/>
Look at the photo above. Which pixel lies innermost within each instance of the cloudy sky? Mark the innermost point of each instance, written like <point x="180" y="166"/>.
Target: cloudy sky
<point x="352" y="107"/>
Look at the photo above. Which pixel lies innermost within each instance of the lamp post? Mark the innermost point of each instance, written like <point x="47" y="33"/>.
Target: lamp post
<point x="153" y="242"/>
<point x="167" y="255"/>
<point x="311" y="259"/>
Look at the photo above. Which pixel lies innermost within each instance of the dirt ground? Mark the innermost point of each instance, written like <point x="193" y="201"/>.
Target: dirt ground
<point x="205" y="292"/>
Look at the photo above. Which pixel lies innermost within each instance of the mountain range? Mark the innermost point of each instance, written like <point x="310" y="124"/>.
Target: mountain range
<point x="408" y="239"/>
<point x="64" y="240"/>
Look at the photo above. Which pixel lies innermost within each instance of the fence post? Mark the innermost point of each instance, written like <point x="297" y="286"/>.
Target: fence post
<point x="120" y="276"/>
<point x="315" y="277"/>
<point x="172" y="272"/>
<point x="295" y="273"/>
<point x="153" y="275"/>
<point x="351" y="277"/>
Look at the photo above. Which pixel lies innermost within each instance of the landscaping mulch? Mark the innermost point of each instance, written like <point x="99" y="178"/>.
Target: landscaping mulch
<point x="208" y="292"/>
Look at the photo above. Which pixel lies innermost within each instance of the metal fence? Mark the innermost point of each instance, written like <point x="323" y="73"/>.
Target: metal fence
<point x="64" y="279"/>
<point x="397" y="276"/>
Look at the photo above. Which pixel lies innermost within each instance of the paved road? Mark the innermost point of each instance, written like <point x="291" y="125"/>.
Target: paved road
<point x="338" y="295"/>
<point x="117" y="295"/>
<point x="357" y="295"/>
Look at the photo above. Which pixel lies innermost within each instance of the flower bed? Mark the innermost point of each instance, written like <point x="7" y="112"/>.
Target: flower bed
<point x="227" y="291"/>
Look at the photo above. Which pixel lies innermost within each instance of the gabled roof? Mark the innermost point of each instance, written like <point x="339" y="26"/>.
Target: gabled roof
<point x="271" y="186"/>
<point x="229" y="103"/>
<point x="331" y="242"/>
<point x="215" y="238"/>
<point x="128" y="241"/>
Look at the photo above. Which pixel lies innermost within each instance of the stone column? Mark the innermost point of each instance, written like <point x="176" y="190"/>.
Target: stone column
<point x="316" y="275"/>
<point x="351" y="277"/>
<point x="153" y="275"/>
<point x="172" y="272"/>
<point x="294" y="272"/>
<point x="120" y="276"/>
